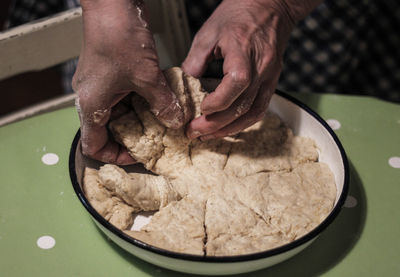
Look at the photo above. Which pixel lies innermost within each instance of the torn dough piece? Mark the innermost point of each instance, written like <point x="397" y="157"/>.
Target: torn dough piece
<point x="144" y="192"/>
<point x="177" y="227"/>
<point x="112" y="208"/>
<point x="268" y="145"/>
<point x="151" y="143"/>
<point x="294" y="202"/>
<point x="233" y="228"/>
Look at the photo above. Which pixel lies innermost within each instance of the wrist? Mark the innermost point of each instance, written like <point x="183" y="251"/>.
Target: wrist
<point x="104" y="5"/>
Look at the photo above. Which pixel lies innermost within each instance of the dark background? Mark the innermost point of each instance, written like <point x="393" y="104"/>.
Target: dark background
<point x="30" y="88"/>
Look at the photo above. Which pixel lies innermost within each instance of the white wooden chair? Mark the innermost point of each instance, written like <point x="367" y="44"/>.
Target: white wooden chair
<point x="54" y="40"/>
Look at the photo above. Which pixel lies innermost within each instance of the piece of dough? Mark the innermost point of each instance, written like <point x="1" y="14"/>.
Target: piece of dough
<point x="144" y="192"/>
<point x="143" y="141"/>
<point x="177" y="227"/>
<point x="112" y="208"/>
<point x="294" y="202"/>
<point x="268" y="145"/>
<point x="234" y="229"/>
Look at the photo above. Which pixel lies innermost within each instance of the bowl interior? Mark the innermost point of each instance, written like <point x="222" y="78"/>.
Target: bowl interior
<point x="301" y="119"/>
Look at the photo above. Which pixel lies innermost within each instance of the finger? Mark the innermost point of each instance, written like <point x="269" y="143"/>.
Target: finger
<point x="200" y="54"/>
<point x="208" y="124"/>
<point x="237" y="78"/>
<point x="112" y="153"/>
<point x="163" y="102"/>
<point x="96" y="144"/>
<point x="256" y="113"/>
<point x="94" y="109"/>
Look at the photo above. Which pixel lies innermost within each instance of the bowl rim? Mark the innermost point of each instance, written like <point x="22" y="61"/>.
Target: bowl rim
<point x="222" y="259"/>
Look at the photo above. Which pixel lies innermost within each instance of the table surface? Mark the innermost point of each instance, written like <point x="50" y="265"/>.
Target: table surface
<point x="45" y="231"/>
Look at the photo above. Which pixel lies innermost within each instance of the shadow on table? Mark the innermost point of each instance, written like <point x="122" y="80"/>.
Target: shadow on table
<point x="312" y="100"/>
<point x="328" y="250"/>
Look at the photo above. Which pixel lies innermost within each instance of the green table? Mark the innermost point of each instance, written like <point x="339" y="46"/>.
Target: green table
<point x="45" y="231"/>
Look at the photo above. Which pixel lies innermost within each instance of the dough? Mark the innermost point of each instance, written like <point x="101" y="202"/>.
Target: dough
<point x="143" y="192"/>
<point x="275" y="149"/>
<point x="177" y="227"/>
<point x="244" y="194"/>
<point x="112" y="208"/>
<point x="294" y="202"/>
<point x="233" y="228"/>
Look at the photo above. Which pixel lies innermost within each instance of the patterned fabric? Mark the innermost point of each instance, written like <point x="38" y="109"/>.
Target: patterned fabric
<point x="344" y="46"/>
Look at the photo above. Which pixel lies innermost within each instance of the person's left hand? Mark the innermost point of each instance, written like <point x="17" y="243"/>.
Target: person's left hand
<point x="251" y="37"/>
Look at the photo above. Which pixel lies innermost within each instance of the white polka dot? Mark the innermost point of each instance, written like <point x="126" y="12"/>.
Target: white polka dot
<point x="333" y="69"/>
<point x="350" y="202"/>
<point x="309" y="45"/>
<point x="394" y="162"/>
<point x="50" y="158"/>
<point x="296" y="33"/>
<point x="307" y="67"/>
<point x="319" y="79"/>
<point x="334" y="124"/>
<point x="337" y="47"/>
<point x="293" y="78"/>
<point x="338" y="24"/>
<point x="322" y="57"/>
<point x="311" y="23"/>
<point x="46" y="242"/>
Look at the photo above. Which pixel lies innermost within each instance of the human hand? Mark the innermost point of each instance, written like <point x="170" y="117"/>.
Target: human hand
<point x="118" y="57"/>
<point x="251" y="37"/>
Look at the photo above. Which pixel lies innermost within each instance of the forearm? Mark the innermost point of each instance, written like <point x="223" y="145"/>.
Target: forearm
<point x="90" y="5"/>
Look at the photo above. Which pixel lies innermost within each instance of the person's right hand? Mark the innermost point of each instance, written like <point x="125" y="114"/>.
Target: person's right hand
<point x="118" y="57"/>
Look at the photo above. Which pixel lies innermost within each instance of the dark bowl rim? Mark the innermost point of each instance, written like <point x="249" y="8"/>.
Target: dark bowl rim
<point x="221" y="259"/>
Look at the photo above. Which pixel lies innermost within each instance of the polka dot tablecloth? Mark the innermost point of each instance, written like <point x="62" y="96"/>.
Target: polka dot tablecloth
<point x="45" y="231"/>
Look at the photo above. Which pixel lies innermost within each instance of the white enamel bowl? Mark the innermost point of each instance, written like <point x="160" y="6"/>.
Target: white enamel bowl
<point x="304" y="122"/>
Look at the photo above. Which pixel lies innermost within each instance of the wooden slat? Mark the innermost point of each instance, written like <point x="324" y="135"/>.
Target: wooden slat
<point x="51" y="41"/>
<point x="47" y="42"/>
<point x="41" y="44"/>
<point x="47" y="106"/>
